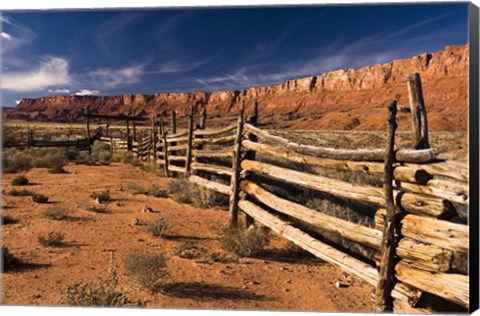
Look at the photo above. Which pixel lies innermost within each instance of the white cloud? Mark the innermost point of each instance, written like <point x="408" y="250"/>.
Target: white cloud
<point x="59" y="91"/>
<point x="6" y="36"/>
<point x="17" y="102"/>
<point x="52" y="71"/>
<point x="110" y="78"/>
<point x="86" y="92"/>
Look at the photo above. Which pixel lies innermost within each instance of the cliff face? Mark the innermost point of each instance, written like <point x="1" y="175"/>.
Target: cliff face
<point x="342" y="99"/>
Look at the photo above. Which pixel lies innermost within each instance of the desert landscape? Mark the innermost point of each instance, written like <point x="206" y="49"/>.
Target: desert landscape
<point x="344" y="191"/>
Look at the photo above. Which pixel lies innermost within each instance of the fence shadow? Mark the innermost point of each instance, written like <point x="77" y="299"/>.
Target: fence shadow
<point x="207" y="292"/>
<point x="288" y="256"/>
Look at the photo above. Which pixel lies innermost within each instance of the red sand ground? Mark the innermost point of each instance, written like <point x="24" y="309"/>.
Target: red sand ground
<point x="268" y="283"/>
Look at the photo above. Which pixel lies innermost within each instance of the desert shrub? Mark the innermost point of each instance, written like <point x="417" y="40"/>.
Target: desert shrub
<point x="147" y="269"/>
<point x="16" y="192"/>
<point x="98" y="209"/>
<point x="57" y="213"/>
<point x="183" y="191"/>
<point x="84" y="158"/>
<point x="39" y="198"/>
<point x="245" y="242"/>
<point x="57" y="169"/>
<point x="126" y="157"/>
<point x="47" y="157"/>
<point x="102" y="196"/>
<point x="15" y="160"/>
<point x="101" y="153"/>
<point x="157" y="227"/>
<point x="20" y="180"/>
<point x="188" y="251"/>
<point x="134" y="188"/>
<point x="52" y="239"/>
<point x="9" y="260"/>
<point x="103" y="292"/>
<point x="155" y="191"/>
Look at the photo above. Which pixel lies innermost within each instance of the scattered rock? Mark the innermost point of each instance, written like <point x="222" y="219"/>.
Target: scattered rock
<point x="340" y="284"/>
<point x="97" y="201"/>
<point x="147" y="209"/>
<point x="135" y="222"/>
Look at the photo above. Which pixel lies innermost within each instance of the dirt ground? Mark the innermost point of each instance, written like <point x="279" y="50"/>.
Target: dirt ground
<point x="271" y="281"/>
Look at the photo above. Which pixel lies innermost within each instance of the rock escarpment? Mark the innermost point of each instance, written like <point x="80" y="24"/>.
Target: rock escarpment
<point x="341" y="99"/>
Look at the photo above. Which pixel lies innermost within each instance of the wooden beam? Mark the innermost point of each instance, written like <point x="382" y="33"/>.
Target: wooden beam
<point x="174" y="122"/>
<point x="222" y="170"/>
<point x="211" y="185"/>
<point x="213" y="153"/>
<point x="203" y="120"/>
<point x="419" y="113"/>
<point x="235" y="177"/>
<point x="212" y="132"/>
<point x="189" y="143"/>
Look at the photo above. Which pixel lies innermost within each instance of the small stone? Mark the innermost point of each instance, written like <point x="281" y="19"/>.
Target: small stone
<point x="339" y="284"/>
<point x="135" y="221"/>
<point x="289" y="281"/>
<point x="97" y="201"/>
<point x="147" y="209"/>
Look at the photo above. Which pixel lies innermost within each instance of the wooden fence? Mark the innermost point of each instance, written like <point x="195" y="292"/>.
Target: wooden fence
<point x="430" y="246"/>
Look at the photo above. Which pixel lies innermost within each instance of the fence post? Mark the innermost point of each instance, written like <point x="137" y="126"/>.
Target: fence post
<point x="419" y="113"/>
<point x="190" y="143"/>
<point x="386" y="282"/>
<point x="129" y="143"/>
<point x="250" y="155"/>
<point x="165" y="150"/>
<point x="154" y="140"/>
<point x="203" y="121"/>
<point x="235" y="178"/>
<point x="174" y="122"/>
<point x="87" y="114"/>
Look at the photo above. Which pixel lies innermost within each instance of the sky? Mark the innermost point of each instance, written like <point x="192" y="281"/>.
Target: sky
<point x="110" y="52"/>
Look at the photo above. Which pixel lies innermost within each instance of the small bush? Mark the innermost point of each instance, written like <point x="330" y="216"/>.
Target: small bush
<point x="100" y="293"/>
<point x="84" y="158"/>
<point x="135" y="188"/>
<point x="102" y="196"/>
<point x="127" y="157"/>
<point x="52" y="239"/>
<point x="147" y="269"/>
<point x="182" y="191"/>
<point x="57" y="213"/>
<point x="9" y="261"/>
<point x="46" y="157"/>
<point x="15" y="160"/>
<point x="188" y="251"/>
<point x="98" y="209"/>
<point x="39" y="198"/>
<point x="155" y="191"/>
<point x="57" y="169"/>
<point x="15" y="192"/>
<point x="157" y="227"/>
<point x="245" y="242"/>
<point x="101" y="153"/>
<point x="20" y="180"/>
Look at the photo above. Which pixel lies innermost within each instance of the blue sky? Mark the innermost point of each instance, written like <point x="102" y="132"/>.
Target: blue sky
<point x="108" y="52"/>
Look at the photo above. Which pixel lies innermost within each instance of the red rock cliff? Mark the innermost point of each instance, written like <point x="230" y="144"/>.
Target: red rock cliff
<point x="342" y="99"/>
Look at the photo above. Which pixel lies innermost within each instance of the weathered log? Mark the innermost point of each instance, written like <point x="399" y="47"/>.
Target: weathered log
<point x="213" y="153"/>
<point x="189" y="145"/>
<point x="176" y="169"/>
<point x="180" y="134"/>
<point x="408" y="201"/>
<point x="177" y="158"/>
<point x="442" y="233"/>
<point x="414" y="175"/>
<point x="235" y="175"/>
<point x="451" y="191"/>
<point x="178" y="147"/>
<point x="445" y="170"/>
<point x="174" y="123"/>
<point x="177" y="139"/>
<point x="227" y="171"/>
<point x="406" y="293"/>
<point x="402" y="155"/>
<point x="424" y="256"/>
<point x="211" y="185"/>
<point x="214" y="141"/>
<point x="419" y="113"/>
<point x="203" y="119"/>
<point x="453" y="287"/>
<point x="165" y="156"/>
<point x="212" y="132"/>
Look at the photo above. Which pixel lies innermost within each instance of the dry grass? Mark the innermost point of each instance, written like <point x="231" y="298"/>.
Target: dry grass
<point x="51" y="239"/>
<point x="57" y="213"/>
<point x="245" y="242"/>
<point x="153" y="190"/>
<point x="102" y="196"/>
<point x="40" y="198"/>
<point x="148" y="269"/>
<point x="157" y="227"/>
<point x="20" y="180"/>
<point x="183" y="191"/>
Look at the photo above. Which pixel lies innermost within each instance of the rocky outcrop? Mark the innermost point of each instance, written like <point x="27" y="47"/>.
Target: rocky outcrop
<point x="341" y="99"/>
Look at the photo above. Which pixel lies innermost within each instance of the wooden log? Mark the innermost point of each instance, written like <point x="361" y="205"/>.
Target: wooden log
<point x="215" y="141"/>
<point x="424" y="256"/>
<point x="250" y="154"/>
<point x="429" y="230"/>
<point x="210" y="185"/>
<point x="177" y="139"/>
<point x="403" y="173"/>
<point x="180" y="134"/>
<point x="402" y="155"/>
<point x="166" y="157"/>
<point x="386" y="280"/>
<point x="176" y="158"/>
<point x="235" y="176"/>
<point x="450" y="191"/>
<point x="406" y="293"/>
<point x="153" y="141"/>
<point x="177" y="147"/>
<point x="212" y="132"/>
<point x="227" y="171"/>
<point x="408" y="201"/>
<point x="419" y="113"/>
<point x="189" y="143"/>
<point x="450" y="286"/>
<point x="174" y="122"/>
<point x="213" y="153"/>
<point x="203" y="120"/>
<point x="174" y="168"/>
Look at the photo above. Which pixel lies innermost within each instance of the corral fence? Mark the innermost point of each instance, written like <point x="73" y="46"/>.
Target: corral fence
<point x="419" y="240"/>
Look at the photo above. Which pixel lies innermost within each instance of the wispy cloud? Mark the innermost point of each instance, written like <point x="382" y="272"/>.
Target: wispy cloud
<point x="109" y="78"/>
<point x="52" y="71"/>
<point x="87" y="92"/>
<point x="14" y="35"/>
<point x="59" y="91"/>
<point x="6" y="36"/>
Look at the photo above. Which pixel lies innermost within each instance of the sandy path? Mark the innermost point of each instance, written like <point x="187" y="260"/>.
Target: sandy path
<point x="268" y="283"/>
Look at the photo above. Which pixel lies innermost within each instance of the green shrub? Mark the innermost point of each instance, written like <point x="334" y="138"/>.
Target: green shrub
<point x="20" y="180"/>
<point x="157" y="227"/>
<point x="99" y="293"/>
<point x="16" y="192"/>
<point x="57" y="213"/>
<point x="52" y="239"/>
<point x="57" y="169"/>
<point x="147" y="269"/>
<point x="245" y="242"/>
<point x="102" y="196"/>
<point x="39" y="198"/>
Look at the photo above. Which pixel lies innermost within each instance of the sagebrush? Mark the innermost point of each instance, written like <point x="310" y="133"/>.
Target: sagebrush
<point x="245" y="242"/>
<point x="148" y="269"/>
